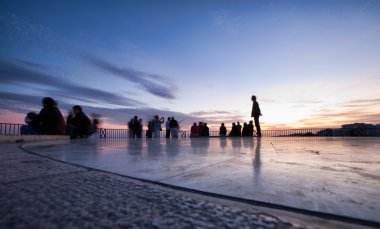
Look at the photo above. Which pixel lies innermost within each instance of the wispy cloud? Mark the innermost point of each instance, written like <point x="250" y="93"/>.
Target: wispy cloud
<point x="215" y="117"/>
<point x="361" y="103"/>
<point x="17" y="73"/>
<point x="21" y="104"/>
<point x="147" y="81"/>
<point x="337" y="118"/>
<point x="223" y="19"/>
<point x="208" y="113"/>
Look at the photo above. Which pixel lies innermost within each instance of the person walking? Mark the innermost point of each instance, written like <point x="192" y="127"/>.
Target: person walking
<point x="256" y="113"/>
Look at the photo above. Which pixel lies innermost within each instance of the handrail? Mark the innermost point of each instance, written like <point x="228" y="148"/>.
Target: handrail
<point x="14" y="129"/>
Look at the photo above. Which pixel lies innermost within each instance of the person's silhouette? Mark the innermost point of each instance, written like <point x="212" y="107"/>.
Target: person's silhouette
<point x="256" y="113"/>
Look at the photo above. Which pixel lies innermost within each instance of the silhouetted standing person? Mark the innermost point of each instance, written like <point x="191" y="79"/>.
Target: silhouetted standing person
<point x="200" y="128"/>
<point x="149" y="132"/>
<point x="157" y="121"/>
<point x="194" y="131"/>
<point x="233" y="132"/>
<point x="174" y="126"/>
<point x="205" y="130"/>
<point x="256" y="113"/>
<point x="222" y="130"/>
<point x="130" y="128"/>
<point x="250" y="129"/>
<point x="244" y="132"/>
<point x="167" y="126"/>
<point x="238" y="129"/>
<point x="135" y="126"/>
<point x="139" y="130"/>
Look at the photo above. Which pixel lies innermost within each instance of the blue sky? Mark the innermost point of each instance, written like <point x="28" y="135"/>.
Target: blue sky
<point x="310" y="63"/>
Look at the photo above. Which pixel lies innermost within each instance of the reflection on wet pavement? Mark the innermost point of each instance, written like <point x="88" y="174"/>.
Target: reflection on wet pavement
<point x="334" y="175"/>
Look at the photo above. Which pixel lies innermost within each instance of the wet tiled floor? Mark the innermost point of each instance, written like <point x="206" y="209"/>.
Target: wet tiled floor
<point x="333" y="175"/>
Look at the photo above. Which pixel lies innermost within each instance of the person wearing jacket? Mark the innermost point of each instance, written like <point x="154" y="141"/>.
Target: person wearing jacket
<point x="50" y="118"/>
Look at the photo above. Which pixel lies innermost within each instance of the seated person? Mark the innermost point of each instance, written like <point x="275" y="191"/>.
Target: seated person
<point x="81" y="126"/>
<point x="50" y="118"/>
<point x="33" y="126"/>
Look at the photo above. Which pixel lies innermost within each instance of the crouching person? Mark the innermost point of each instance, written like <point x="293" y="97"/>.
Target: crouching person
<point x="33" y="125"/>
<point x="80" y="126"/>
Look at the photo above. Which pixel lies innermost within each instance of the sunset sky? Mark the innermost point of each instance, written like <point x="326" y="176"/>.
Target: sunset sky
<point x="310" y="63"/>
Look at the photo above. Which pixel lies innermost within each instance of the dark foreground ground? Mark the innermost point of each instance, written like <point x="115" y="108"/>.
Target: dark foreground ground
<point x="37" y="192"/>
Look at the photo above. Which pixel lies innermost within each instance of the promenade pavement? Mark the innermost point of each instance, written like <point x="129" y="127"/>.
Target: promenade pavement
<point x="38" y="191"/>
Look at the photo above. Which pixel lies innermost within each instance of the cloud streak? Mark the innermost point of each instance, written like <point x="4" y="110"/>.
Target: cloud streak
<point x="17" y="73"/>
<point x="143" y="79"/>
<point x="21" y="104"/>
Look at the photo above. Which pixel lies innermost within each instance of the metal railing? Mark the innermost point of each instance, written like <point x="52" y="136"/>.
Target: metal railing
<point x="14" y="129"/>
<point x="309" y="132"/>
<point x="10" y="129"/>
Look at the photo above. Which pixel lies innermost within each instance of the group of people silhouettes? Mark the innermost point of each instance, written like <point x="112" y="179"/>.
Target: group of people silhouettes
<point x="237" y="130"/>
<point x="78" y="125"/>
<point x="200" y="130"/>
<point x="50" y="121"/>
<point x="135" y="127"/>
